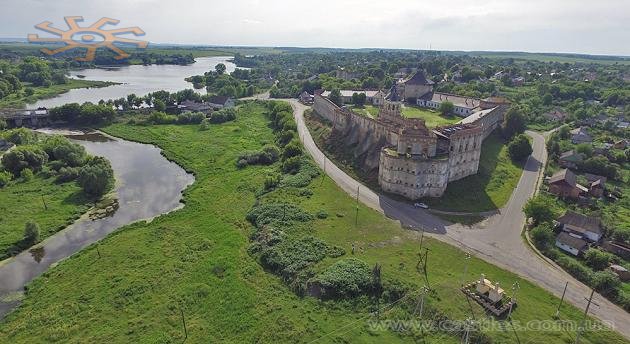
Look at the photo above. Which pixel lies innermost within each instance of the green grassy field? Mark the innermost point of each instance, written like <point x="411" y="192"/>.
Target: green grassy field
<point x="195" y="262"/>
<point x="20" y="100"/>
<point x="432" y="118"/>
<point x="489" y="189"/>
<point x="53" y="206"/>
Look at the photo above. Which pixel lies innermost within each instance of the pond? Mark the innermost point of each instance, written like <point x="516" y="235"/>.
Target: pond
<point x="147" y="185"/>
<point x="138" y="79"/>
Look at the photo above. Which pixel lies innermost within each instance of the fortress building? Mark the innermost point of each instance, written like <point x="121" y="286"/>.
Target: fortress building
<point x="410" y="159"/>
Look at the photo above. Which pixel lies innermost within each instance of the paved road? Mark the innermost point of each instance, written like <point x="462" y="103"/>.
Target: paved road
<point x="497" y="240"/>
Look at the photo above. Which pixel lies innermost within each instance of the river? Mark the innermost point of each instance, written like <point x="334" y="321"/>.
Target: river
<point x="147" y="185"/>
<point x="138" y="79"/>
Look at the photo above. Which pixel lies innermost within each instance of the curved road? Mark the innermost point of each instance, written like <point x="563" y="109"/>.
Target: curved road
<point x="497" y="240"/>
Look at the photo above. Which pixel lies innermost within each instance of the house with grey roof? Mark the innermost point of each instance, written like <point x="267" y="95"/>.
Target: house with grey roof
<point x="580" y="135"/>
<point x="570" y="159"/>
<point x="586" y="227"/>
<point x="571" y="243"/>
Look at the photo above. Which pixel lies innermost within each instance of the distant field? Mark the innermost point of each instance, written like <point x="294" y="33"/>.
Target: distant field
<point x="554" y="57"/>
<point x="20" y="100"/>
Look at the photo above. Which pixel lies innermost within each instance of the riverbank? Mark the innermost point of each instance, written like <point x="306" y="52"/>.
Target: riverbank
<point x="137" y="283"/>
<point x="21" y="100"/>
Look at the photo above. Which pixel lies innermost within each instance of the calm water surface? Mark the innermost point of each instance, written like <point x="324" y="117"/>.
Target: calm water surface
<point x="147" y="185"/>
<point x="137" y="79"/>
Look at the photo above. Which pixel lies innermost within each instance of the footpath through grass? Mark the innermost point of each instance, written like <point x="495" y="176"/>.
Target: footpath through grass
<point x="195" y="261"/>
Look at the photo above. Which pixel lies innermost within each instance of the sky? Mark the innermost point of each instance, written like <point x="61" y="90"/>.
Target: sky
<point x="567" y="26"/>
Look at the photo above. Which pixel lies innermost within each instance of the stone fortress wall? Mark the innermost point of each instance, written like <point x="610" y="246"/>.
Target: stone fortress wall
<point x="410" y="159"/>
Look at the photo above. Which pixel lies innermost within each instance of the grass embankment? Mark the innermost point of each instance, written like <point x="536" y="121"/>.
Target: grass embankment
<point x="196" y="260"/>
<point x="20" y="100"/>
<point x="51" y="205"/>
<point x="490" y="188"/>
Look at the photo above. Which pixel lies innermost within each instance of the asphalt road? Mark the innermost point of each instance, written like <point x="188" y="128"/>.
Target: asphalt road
<point x="497" y="240"/>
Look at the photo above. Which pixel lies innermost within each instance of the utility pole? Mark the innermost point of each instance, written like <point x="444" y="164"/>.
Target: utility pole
<point x="588" y="305"/>
<point x="466" y="259"/>
<point x="426" y="273"/>
<point x="356" y="217"/>
<point x="323" y="174"/>
<point x="98" y="251"/>
<point x="467" y="332"/>
<point x="561" y="300"/>
<point x="44" y="201"/>
<point x="515" y="288"/>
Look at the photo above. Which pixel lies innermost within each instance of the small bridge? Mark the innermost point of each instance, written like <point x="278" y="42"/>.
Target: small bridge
<point x="25" y="117"/>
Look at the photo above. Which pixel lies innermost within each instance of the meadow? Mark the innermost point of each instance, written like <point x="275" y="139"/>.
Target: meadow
<point x="194" y="263"/>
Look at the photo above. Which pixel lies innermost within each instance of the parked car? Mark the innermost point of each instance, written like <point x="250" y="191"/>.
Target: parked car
<point x="421" y="205"/>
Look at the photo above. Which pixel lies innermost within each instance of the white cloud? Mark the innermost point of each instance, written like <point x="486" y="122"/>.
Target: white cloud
<point x="600" y="27"/>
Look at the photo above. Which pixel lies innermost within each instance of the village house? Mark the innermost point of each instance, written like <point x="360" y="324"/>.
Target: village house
<point x="556" y="115"/>
<point x="580" y="135"/>
<point x="414" y="86"/>
<point x="463" y="106"/>
<point x="586" y="227"/>
<point x="571" y="243"/>
<point x="564" y="184"/>
<point x="570" y="159"/>
<point x="618" y="248"/>
<point x="621" y="144"/>
<point x="518" y="81"/>
<point x="371" y="97"/>
<point x="596" y="188"/>
<point x="621" y="272"/>
<point x="192" y="106"/>
<point x="220" y="102"/>
<point x="306" y="98"/>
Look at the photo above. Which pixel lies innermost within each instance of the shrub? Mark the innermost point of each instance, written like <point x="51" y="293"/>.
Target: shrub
<point x="322" y="214"/>
<point x="204" y="125"/>
<point x="5" y="178"/>
<point x="276" y="214"/>
<point x="268" y="155"/>
<point x="597" y="259"/>
<point x="222" y="116"/>
<point x="21" y="136"/>
<point x="158" y="117"/>
<point x="31" y="232"/>
<point x="61" y="149"/>
<point x="606" y="283"/>
<point x="292" y="149"/>
<point x="97" y="177"/>
<point x="190" y="118"/>
<point x="285" y="137"/>
<point x="540" y="209"/>
<point x="542" y="236"/>
<point x="307" y="171"/>
<point x="576" y="269"/>
<point x="520" y="148"/>
<point x="271" y="181"/>
<point x="26" y="174"/>
<point x="290" y="256"/>
<point x="345" y="278"/>
<point x="291" y="165"/>
<point x="23" y="157"/>
<point x="67" y="174"/>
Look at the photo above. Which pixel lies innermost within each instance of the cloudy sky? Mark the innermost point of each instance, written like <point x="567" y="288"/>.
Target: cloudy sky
<point x="580" y="26"/>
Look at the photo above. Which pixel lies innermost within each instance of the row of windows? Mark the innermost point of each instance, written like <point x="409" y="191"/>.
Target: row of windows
<point x="417" y="186"/>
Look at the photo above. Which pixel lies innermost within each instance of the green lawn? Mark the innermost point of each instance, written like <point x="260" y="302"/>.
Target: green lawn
<point x="19" y="100"/>
<point x="431" y="118"/>
<point x="490" y="188"/>
<point x="23" y="201"/>
<point x="195" y="260"/>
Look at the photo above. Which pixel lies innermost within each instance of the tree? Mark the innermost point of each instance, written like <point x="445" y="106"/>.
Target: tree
<point x="159" y="105"/>
<point x="97" y="177"/>
<point x="585" y="148"/>
<point x="220" y="68"/>
<point x="519" y="148"/>
<point x="292" y="149"/>
<point x="597" y="259"/>
<point x="335" y="97"/>
<point x="542" y="236"/>
<point x="358" y="99"/>
<point x="547" y="99"/>
<point x="605" y="282"/>
<point x="23" y="157"/>
<point x="540" y="209"/>
<point x="31" y="232"/>
<point x="446" y="108"/>
<point x="513" y="123"/>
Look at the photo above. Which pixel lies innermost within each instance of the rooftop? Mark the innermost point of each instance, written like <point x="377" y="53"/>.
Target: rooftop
<point x="418" y="79"/>
<point x="571" y="241"/>
<point x="587" y="223"/>
<point x="565" y="175"/>
<point x="477" y="115"/>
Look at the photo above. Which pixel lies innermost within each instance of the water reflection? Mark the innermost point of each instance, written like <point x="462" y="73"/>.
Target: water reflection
<point x="147" y="185"/>
<point x="138" y="79"/>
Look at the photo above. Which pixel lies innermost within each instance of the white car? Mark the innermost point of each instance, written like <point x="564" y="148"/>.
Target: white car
<point x="421" y="205"/>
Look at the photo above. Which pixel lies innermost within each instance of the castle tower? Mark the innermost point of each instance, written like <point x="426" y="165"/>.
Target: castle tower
<point x="390" y="111"/>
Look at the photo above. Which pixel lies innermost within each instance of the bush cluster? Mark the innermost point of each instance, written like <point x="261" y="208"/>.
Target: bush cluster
<point x="266" y="156"/>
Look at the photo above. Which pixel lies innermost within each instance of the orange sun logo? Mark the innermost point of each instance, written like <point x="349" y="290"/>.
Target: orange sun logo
<point x="90" y="38"/>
